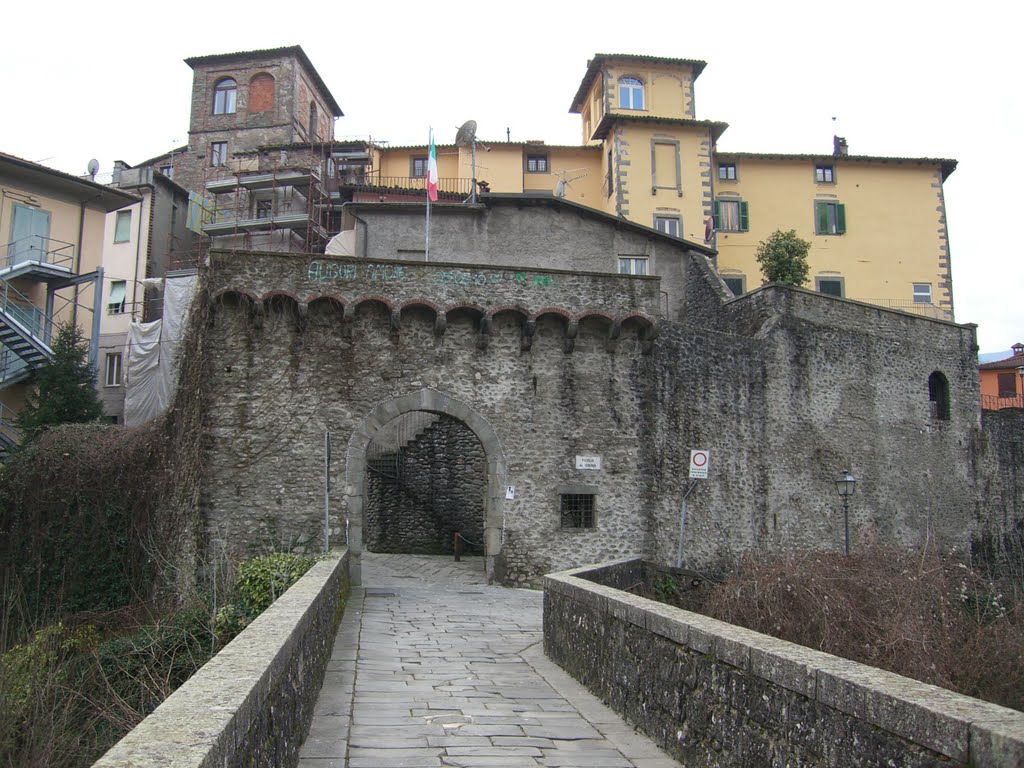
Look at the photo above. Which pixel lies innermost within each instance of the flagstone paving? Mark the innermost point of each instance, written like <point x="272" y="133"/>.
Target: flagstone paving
<point x="432" y="667"/>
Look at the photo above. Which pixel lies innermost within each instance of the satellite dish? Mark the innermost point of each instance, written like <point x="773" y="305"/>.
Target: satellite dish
<point x="466" y="134"/>
<point x="560" y="188"/>
<point x="93" y="168"/>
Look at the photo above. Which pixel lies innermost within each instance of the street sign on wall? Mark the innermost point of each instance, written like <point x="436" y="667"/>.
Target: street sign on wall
<point x="699" y="461"/>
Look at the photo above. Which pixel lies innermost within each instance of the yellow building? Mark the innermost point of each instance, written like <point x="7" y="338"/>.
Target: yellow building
<point x="50" y="267"/>
<point x="876" y="225"/>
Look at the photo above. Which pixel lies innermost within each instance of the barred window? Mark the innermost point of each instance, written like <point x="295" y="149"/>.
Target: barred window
<point x="577" y="510"/>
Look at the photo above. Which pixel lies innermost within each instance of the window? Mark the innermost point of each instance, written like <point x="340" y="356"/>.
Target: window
<point x="418" y="167"/>
<point x="218" y="153"/>
<point x="1007" y="383"/>
<point x="577" y="510"/>
<point x="123" y="227"/>
<point x="727" y="172"/>
<point x="536" y="163"/>
<point x="824" y="174"/>
<point x="118" y="289"/>
<point x="167" y="170"/>
<point x="632" y="265"/>
<point x="631" y="93"/>
<point x="735" y="284"/>
<point x="113" y="370"/>
<point x="922" y="293"/>
<point x="261" y="93"/>
<point x="264" y="209"/>
<point x="732" y="216"/>
<point x="938" y="394"/>
<point x="665" y="166"/>
<point x="830" y="286"/>
<point x="608" y="181"/>
<point x="224" y="94"/>
<point x="313" y="127"/>
<point x="670" y="225"/>
<point x="829" y="218"/>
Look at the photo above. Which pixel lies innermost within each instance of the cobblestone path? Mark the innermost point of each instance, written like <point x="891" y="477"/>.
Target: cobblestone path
<point x="432" y="667"/>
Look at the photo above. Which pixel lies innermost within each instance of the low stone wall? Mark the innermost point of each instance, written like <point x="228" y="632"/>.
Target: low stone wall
<point x="252" y="703"/>
<point x="714" y="694"/>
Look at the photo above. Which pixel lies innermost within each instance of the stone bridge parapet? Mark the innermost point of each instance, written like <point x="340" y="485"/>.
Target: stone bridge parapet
<point x="714" y="694"/>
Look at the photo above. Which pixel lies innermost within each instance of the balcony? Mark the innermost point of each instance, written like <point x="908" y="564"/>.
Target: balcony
<point x="35" y="256"/>
<point x="995" y="403"/>
<point x="448" y="188"/>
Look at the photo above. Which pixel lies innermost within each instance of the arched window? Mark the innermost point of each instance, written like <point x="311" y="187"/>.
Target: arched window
<point x="631" y="93"/>
<point x="261" y="93"/>
<point x="938" y="393"/>
<point x="224" y="94"/>
<point x="312" y="121"/>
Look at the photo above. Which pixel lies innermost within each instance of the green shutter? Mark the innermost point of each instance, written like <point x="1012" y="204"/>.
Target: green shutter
<point x="718" y="215"/>
<point x="821" y="215"/>
<point x="840" y="218"/>
<point x="744" y="216"/>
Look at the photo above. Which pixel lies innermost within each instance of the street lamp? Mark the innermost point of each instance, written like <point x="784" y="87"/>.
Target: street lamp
<point x="1020" y="372"/>
<point x="845" y="485"/>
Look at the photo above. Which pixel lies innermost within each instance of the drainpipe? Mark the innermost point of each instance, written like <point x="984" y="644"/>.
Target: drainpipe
<point x="78" y="259"/>
<point x="138" y="248"/>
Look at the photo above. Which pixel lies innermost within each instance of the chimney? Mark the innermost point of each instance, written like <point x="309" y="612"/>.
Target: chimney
<point x="119" y="166"/>
<point x="1018" y="349"/>
<point x="839" y="146"/>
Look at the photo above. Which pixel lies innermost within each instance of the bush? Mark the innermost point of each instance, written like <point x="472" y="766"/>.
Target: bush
<point x="924" y="616"/>
<point x="783" y="258"/>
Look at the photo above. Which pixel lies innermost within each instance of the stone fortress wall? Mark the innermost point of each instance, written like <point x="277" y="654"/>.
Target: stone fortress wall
<point x="783" y="386"/>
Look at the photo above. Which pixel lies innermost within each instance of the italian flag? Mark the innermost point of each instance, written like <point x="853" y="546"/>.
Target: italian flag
<point x="432" y="171"/>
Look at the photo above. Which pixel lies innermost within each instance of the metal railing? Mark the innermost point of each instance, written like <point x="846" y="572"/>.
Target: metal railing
<point x="995" y="403"/>
<point x="11" y="365"/>
<point x="9" y="433"/>
<point x="20" y="308"/>
<point x="445" y="185"/>
<point x="45" y="250"/>
<point x="909" y="305"/>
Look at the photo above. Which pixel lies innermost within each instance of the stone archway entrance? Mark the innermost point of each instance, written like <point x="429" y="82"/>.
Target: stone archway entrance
<point x="432" y="402"/>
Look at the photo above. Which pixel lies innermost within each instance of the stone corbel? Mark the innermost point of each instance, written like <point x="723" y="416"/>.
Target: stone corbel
<point x="571" y="330"/>
<point x="303" y="318"/>
<point x="348" y="319"/>
<point x="614" y="330"/>
<point x="485" y="332"/>
<point x="259" y="313"/>
<point x="529" y="329"/>
<point x="395" y="321"/>
<point x="440" y="323"/>
<point x="650" y="333"/>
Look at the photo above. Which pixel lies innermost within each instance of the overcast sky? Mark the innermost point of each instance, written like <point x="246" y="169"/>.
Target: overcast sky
<point x="904" y="79"/>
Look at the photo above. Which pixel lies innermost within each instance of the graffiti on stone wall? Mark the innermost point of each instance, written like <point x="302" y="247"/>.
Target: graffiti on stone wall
<point x="330" y="271"/>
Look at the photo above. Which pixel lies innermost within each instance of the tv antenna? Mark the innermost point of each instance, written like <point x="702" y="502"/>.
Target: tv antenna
<point x="566" y="178"/>
<point x="466" y="137"/>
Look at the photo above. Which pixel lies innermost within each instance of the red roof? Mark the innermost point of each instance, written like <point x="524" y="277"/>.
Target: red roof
<point x="1009" y="363"/>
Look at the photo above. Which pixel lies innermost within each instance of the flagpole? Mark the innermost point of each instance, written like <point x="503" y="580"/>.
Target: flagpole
<point x="426" y="187"/>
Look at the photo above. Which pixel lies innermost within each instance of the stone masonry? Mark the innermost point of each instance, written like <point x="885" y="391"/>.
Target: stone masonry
<point x="784" y="387"/>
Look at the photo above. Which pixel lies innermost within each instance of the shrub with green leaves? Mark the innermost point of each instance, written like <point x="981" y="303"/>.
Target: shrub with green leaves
<point x="263" y="579"/>
<point x="783" y="258"/>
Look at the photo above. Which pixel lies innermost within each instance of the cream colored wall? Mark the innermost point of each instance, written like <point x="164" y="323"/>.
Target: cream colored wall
<point x="583" y="172"/>
<point x="64" y="224"/>
<point x="668" y="89"/>
<point x="643" y="203"/>
<point x="501" y="167"/>
<point x="892" y="225"/>
<point x="121" y="262"/>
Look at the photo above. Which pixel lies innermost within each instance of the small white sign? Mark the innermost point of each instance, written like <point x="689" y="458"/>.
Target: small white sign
<point x="588" y="462"/>
<point x="699" y="461"/>
<point x="510" y="491"/>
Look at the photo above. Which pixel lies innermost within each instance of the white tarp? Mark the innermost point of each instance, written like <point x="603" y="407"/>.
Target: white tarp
<point x="151" y="372"/>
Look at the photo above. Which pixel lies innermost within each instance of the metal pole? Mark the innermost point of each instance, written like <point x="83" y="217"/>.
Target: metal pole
<point x="846" y="522"/>
<point x="682" y="525"/>
<point x="472" y="192"/>
<point x="97" y="309"/>
<point x="327" y="491"/>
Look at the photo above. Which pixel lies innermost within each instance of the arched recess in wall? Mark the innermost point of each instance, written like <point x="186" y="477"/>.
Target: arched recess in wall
<point x="261" y="93"/>
<point x="431" y="401"/>
<point x="938" y="394"/>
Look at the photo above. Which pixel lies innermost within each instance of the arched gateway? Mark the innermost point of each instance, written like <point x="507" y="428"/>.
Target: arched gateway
<point x="431" y="401"/>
